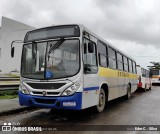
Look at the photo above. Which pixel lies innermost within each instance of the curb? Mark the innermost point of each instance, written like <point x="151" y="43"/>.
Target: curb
<point x="16" y="110"/>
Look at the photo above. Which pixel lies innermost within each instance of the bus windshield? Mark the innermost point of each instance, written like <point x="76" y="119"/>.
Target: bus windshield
<point x="51" y="60"/>
<point x="155" y="72"/>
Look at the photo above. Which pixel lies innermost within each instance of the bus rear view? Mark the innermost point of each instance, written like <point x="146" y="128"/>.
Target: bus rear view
<point x="155" y="75"/>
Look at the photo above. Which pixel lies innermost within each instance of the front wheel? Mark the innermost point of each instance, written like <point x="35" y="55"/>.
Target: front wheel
<point x="102" y="101"/>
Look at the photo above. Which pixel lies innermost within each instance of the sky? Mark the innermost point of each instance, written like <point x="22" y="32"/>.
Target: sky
<point x="133" y="26"/>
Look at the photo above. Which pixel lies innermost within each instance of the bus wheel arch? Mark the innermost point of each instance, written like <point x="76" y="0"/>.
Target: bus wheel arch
<point x="128" y="94"/>
<point x="103" y="98"/>
<point x="145" y="87"/>
<point x="130" y="85"/>
<point x="105" y="87"/>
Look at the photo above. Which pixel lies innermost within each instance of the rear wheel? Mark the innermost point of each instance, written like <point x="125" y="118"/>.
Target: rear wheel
<point x="102" y="101"/>
<point x="145" y="89"/>
<point x="128" y="95"/>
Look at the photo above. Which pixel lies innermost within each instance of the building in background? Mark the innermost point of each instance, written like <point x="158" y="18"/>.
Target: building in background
<point x="11" y="30"/>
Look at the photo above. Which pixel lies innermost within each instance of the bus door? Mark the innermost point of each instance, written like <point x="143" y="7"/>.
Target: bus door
<point x="90" y="77"/>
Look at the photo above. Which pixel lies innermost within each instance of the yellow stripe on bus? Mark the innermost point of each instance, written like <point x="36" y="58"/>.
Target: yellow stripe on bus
<point x="108" y="72"/>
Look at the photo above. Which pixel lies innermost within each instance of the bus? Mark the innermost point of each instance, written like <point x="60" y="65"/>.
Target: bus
<point x="155" y="75"/>
<point x="144" y="78"/>
<point x="70" y="67"/>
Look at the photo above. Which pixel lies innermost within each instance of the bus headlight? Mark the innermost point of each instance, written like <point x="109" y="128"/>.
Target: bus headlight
<point x="71" y="90"/>
<point x="23" y="89"/>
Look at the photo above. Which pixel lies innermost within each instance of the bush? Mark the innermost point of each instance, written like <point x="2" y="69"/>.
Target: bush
<point x="8" y="92"/>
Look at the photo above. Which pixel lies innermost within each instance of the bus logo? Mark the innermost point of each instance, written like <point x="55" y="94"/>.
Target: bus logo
<point x="44" y="93"/>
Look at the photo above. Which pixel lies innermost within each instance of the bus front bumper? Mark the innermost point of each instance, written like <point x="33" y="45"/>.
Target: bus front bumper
<point x="73" y="102"/>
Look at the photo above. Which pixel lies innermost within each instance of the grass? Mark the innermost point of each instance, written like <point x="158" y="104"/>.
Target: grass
<point x="12" y="75"/>
<point x="8" y="94"/>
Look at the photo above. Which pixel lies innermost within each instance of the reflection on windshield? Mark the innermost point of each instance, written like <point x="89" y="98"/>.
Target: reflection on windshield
<point x="62" y="61"/>
<point x="33" y="65"/>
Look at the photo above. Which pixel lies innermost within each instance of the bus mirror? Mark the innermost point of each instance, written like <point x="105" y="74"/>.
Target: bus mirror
<point x="12" y="52"/>
<point x="90" y="47"/>
<point x="12" y="48"/>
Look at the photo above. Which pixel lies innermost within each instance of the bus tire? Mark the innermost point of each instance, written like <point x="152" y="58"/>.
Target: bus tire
<point x="102" y="101"/>
<point x="145" y="88"/>
<point x="128" y="95"/>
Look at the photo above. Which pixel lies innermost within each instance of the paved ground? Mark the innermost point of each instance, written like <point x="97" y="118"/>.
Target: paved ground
<point x="7" y="104"/>
<point x="142" y="109"/>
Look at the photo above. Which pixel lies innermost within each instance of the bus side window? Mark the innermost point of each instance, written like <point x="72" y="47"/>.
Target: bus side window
<point x="125" y="60"/>
<point x="90" y="59"/>
<point x="102" y="53"/>
<point x="120" y="61"/>
<point x="134" y="67"/>
<point x="112" y="58"/>
<point x="130" y="66"/>
<point x="143" y="72"/>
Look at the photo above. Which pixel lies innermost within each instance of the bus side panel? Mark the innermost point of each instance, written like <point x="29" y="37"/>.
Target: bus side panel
<point x="90" y="94"/>
<point x="113" y="89"/>
<point x="109" y="76"/>
<point x="133" y="81"/>
<point x="90" y="97"/>
<point x="124" y="90"/>
<point x="117" y="81"/>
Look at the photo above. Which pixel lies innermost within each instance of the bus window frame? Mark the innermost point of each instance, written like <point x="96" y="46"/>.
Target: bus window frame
<point x="122" y="62"/>
<point x="112" y="58"/>
<point x="97" y="63"/>
<point x="99" y="54"/>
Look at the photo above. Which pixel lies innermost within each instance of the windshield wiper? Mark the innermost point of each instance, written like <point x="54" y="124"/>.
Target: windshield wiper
<point x="56" y="45"/>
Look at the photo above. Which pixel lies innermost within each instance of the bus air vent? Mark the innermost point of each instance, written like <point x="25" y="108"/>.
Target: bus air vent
<point x="46" y="85"/>
<point x="45" y="101"/>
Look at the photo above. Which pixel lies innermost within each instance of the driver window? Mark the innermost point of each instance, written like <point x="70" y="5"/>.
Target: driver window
<point x="90" y="59"/>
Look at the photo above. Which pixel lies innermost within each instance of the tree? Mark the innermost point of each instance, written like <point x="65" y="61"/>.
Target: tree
<point x="155" y="66"/>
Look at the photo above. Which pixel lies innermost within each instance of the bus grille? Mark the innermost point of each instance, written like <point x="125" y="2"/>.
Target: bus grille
<point x="46" y="85"/>
<point x="48" y="93"/>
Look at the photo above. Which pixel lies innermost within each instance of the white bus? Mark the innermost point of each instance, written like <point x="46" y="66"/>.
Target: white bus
<point x="70" y="67"/>
<point x="144" y="78"/>
<point x="155" y="75"/>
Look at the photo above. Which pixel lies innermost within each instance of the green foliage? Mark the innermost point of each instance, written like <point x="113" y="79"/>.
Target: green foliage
<point x="8" y="96"/>
<point x="155" y="66"/>
<point x="8" y="92"/>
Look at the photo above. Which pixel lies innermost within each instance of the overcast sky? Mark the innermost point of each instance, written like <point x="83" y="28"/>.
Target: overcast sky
<point x="131" y="25"/>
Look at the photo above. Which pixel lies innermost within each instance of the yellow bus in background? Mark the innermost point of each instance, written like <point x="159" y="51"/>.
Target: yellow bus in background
<point x="155" y="75"/>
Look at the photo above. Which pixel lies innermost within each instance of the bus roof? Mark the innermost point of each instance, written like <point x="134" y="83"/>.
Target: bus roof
<point x="84" y="28"/>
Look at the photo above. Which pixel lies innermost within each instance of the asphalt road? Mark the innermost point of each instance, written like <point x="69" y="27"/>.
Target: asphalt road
<point x="142" y="109"/>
